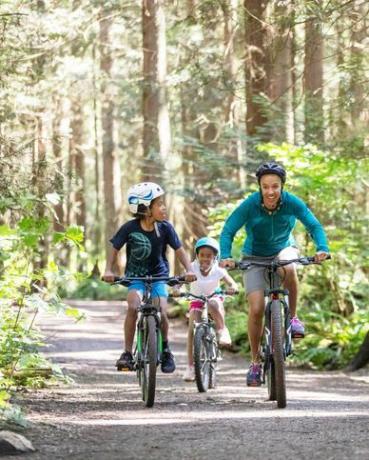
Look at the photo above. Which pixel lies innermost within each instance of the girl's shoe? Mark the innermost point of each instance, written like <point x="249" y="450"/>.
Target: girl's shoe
<point x="189" y="374"/>
<point x="224" y="337"/>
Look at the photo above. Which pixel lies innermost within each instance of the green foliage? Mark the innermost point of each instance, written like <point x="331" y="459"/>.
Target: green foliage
<point x="23" y="294"/>
<point x="95" y="289"/>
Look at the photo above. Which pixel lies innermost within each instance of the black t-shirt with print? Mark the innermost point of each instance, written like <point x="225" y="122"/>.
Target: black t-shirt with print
<point x="146" y="252"/>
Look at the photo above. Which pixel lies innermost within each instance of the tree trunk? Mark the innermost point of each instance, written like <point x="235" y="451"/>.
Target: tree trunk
<point x="232" y="109"/>
<point x="358" y="57"/>
<point x="362" y="357"/>
<point x="156" y="128"/>
<point x="78" y="163"/>
<point x="313" y="81"/>
<point x="111" y="168"/>
<point x="59" y="179"/>
<point x="256" y="66"/>
<point x="280" y="82"/>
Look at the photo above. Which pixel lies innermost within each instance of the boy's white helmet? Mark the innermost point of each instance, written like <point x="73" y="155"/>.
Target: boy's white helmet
<point x="143" y="193"/>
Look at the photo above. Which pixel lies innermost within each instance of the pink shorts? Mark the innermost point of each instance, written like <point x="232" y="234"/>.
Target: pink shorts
<point x="197" y="304"/>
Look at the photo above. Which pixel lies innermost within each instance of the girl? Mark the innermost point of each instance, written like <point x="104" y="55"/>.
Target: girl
<point x="208" y="274"/>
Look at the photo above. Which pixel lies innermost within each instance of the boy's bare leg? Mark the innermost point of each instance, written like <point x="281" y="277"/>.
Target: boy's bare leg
<point x="133" y="299"/>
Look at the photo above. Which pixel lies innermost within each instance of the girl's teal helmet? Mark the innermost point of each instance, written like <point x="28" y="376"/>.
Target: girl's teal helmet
<point x="206" y="241"/>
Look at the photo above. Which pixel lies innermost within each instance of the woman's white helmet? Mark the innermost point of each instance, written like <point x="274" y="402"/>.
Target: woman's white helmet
<point x="143" y="193"/>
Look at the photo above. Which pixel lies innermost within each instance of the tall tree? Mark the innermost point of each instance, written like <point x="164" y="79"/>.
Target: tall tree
<point x="256" y="65"/>
<point x="111" y="167"/>
<point x="156" y="128"/>
<point x="232" y="109"/>
<point x="281" y="65"/>
<point x="313" y="76"/>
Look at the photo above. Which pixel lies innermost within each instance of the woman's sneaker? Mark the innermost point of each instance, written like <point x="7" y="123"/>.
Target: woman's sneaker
<point x="224" y="337"/>
<point x="253" y="377"/>
<point x="297" y="328"/>
<point x="125" y="362"/>
<point x="189" y="374"/>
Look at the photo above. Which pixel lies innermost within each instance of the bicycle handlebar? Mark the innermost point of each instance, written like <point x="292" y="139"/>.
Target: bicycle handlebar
<point x="201" y="297"/>
<point x="249" y="262"/>
<point x="170" y="280"/>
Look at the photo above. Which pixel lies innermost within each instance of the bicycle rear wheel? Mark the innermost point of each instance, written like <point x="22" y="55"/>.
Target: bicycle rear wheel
<point x="278" y="359"/>
<point x="202" y="359"/>
<point x="149" y="361"/>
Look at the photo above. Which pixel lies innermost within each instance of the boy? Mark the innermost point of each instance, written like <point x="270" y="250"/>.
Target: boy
<point x="146" y="237"/>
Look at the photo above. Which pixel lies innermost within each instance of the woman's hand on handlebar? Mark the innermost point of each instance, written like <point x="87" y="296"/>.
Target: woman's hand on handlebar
<point x="320" y="256"/>
<point x="227" y="263"/>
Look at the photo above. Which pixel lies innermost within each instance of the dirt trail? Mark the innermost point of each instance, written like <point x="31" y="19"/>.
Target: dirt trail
<point x="101" y="416"/>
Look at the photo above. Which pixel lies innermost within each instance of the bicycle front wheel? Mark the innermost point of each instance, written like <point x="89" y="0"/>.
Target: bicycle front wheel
<point x="278" y="359"/>
<point x="149" y="361"/>
<point x="202" y="359"/>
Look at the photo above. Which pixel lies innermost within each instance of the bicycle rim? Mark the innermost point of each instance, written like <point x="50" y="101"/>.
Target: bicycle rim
<point x="278" y="354"/>
<point x="149" y="361"/>
<point x="202" y="359"/>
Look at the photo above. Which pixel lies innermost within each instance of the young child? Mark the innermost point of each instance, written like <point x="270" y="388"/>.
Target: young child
<point x="208" y="274"/>
<point x="146" y="238"/>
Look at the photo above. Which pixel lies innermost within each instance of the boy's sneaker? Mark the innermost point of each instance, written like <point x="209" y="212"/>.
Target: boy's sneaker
<point x="297" y="328"/>
<point x="224" y="337"/>
<point x="189" y="374"/>
<point x="253" y="377"/>
<point x="167" y="362"/>
<point x="125" y="362"/>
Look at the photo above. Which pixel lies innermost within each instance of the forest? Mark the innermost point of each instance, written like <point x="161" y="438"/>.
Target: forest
<point x="194" y="95"/>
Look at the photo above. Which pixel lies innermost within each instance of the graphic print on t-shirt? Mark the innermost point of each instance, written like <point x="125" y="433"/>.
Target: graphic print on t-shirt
<point x="140" y="250"/>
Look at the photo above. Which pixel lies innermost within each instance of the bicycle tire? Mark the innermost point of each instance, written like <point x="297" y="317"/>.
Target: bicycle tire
<point x="278" y="353"/>
<point x="213" y="362"/>
<point x="201" y="357"/>
<point x="149" y="361"/>
<point x="270" y="374"/>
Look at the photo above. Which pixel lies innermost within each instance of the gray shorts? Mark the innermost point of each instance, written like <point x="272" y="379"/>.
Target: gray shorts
<point x="255" y="278"/>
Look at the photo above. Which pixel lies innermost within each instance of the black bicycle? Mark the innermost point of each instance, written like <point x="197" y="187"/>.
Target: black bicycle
<point x="205" y="344"/>
<point x="277" y="324"/>
<point x="149" y="348"/>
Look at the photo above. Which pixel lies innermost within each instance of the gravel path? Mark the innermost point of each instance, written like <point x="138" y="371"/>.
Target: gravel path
<point x="101" y="416"/>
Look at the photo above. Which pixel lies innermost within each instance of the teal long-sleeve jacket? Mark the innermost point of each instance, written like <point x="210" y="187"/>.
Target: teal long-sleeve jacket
<point x="268" y="232"/>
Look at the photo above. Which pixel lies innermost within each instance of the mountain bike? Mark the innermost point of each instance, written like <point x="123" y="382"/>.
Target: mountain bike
<point x="149" y="348"/>
<point x="277" y="344"/>
<point x="205" y="344"/>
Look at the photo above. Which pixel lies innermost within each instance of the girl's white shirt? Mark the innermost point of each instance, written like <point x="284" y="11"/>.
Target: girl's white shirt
<point x="205" y="285"/>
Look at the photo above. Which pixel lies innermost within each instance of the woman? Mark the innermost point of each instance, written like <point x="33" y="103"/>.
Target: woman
<point x="269" y="217"/>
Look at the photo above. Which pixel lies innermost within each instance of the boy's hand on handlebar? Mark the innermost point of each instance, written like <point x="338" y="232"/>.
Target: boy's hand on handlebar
<point x="176" y="292"/>
<point x="320" y="256"/>
<point x="227" y="263"/>
<point x="231" y="290"/>
<point x="190" y="277"/>
<point x="108" y="277"/>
